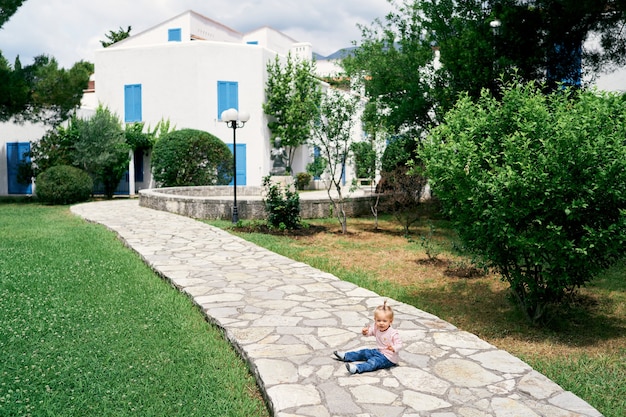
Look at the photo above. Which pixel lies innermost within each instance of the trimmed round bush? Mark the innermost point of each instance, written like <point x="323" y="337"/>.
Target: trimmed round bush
<point x="63" y="184"/>
<point x="190" y="157"/>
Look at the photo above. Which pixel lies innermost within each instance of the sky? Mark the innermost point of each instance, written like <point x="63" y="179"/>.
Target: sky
<point x="71" y="30"/>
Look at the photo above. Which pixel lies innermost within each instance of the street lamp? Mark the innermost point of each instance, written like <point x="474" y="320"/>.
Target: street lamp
<point x="495" y="30"/>
<point x="495" y="26"/>
<point x="235" y="120"/>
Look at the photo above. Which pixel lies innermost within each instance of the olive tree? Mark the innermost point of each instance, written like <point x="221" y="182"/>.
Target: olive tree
<point x="536" y="185"/>
<point x="332" y="135"/>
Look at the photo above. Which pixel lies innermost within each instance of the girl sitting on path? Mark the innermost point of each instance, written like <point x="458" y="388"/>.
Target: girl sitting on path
<point x="387" y="340"/>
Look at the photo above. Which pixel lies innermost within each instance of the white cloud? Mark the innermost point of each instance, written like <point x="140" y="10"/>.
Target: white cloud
<point x="70" y="30"/>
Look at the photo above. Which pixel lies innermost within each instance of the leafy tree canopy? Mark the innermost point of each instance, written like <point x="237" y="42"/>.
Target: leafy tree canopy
<point x="8" y="9"/>
<point x="539" y="40"/>
<point x="115" y="36"/>
<point x="292" y="103"/>
<point x="40" y="92"/>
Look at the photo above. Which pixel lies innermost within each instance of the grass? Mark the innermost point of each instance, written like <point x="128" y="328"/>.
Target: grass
<point x="583" y="350"/>
<point x="86" y="328"/>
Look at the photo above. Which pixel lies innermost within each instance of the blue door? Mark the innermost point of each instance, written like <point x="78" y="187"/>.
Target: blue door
<point x="16" y="154"/>
<point x="240" y="157"/>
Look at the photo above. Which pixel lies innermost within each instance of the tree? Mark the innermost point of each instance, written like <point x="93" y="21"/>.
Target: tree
<point x="332" y="135"/>
<point x="41" y="92"/>
<point x="8" y="9"/>
<point x="101" y="149"/>
<point x="535" y="184"/>
<point x="115" y="36"/>
<point x="375" y="128"/>
<point x="401" y="188"/>
<point x="292" y="103"/>
<point x="190" y="157"/>
<point x="415" y="63"/>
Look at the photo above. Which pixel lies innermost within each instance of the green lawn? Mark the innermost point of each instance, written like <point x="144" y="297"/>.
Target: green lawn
<point x="87" y="329"/>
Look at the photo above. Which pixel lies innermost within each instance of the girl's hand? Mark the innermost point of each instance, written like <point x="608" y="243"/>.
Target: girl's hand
<point x="365" y="331"/>
<point x="391" y="348"/>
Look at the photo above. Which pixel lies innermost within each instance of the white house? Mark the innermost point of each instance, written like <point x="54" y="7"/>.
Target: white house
<point x="187" y="70"/>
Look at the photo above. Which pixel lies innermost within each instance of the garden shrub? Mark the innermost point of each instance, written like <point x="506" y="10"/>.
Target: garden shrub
<point x="190" y="157"/>
<point x="401" y="193"/>
<point x="536" y="185"/>
<point x="63" y="184"/>
<point x="317" y="167"/>
<point x="282" y="206"/>
<point x="302" y="180"/>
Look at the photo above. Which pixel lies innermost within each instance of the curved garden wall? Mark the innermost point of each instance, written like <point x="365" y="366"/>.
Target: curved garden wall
<point x="216" y="202"/>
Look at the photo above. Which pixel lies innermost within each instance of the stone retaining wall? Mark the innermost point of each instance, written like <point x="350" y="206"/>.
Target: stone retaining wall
<point x="216" y="202"/>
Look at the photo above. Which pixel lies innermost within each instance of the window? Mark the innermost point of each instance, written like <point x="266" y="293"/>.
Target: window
<point x="227" y="96"/>
<point x="174" y="35"/>
<point x="252" y="42"/>
<point x="132" y="103"/>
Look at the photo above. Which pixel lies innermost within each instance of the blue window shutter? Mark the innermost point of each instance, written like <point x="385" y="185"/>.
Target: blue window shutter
<point x="227" y="96"/>
<point x="252" y="42"/>
<point x="15" y="155"/>
<point x="241" y="163"/>
<point x="132" y="103"/>
<point x="174" y="35"/>
<point x="316" y="154"/>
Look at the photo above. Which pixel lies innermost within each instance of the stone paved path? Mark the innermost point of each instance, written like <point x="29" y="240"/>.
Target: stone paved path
<point x="286" y="318"/>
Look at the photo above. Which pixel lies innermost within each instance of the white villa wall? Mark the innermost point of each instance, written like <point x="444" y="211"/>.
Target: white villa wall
<point x="192" y="24"/>
<point x="328" y="67"/>
<point x="179" y="84"/>
<point x="271" y="39"/>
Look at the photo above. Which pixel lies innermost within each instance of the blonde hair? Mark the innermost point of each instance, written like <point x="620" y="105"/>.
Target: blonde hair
<point x="384" y="308"/>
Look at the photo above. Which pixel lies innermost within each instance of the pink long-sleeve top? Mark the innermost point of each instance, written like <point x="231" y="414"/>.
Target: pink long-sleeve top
<point x="389" y="337"/>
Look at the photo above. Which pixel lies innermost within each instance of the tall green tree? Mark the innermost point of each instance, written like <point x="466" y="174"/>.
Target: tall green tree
<point x="101" y="148"/>
<point x="535" y="185"/>
<point x="293" y="96"/>
<point x="41" y="92"/>
<point x="8" y="9"/>
<point x="115" y="36"/>
<point x="332" y="134"/>
<point x="538" y="40"/>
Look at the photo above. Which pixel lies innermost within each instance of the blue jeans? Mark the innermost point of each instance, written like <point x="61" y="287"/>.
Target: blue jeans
<point x="373" y="360"/>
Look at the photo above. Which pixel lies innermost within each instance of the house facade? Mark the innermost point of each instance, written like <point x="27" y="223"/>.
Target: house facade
<point x="186" y="70"/>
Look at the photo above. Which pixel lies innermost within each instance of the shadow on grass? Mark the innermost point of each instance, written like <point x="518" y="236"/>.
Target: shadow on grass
<point x="475" y="306"/>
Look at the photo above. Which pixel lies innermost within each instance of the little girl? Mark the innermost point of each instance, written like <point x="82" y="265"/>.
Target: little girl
<point x="387" y="340"/>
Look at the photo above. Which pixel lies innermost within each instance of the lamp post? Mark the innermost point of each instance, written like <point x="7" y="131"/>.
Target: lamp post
<point x="235" y="120"/>
<point x="495" y="30"/>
